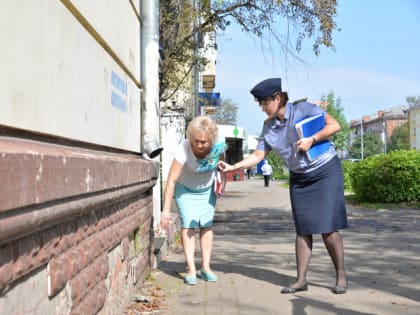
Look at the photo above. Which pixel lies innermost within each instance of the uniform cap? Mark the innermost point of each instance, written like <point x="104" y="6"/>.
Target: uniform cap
<point x="266" y="88"/>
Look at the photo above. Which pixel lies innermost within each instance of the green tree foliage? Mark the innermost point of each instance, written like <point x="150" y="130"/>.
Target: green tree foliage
<point x="335" y="109"/>
<point x="182" y="26"/>
<point x="372" y="145"/>
<point x="400" y="139"/>
<point x="226" y="113"/>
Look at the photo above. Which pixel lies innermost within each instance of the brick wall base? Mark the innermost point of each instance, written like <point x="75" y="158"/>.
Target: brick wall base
<point x="76" y="233"/>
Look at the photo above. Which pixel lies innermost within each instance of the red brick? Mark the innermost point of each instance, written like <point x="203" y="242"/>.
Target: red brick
<point x="76" y="290"/>
<point x="73" y="263"/>
<point x="125" y="247"/>
<point x="6" y="265"/>
<point x="57" y="275"/>
<point x="92" y="302"/>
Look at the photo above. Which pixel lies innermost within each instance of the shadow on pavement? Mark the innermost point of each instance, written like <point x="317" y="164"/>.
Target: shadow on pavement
<point x="301" y="305"/>
<point x="254" y="240"/>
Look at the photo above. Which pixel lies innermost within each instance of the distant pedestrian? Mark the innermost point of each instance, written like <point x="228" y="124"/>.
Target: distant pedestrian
<point x="249" y="172"/>
<point x="192" y="179"/>
<point x="316" y="186"/>
<point x="267" y="172"/>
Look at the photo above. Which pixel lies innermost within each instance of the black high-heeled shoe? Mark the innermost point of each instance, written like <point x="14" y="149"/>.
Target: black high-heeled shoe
<point x="339" y="290"/>
<point x="287" y="290"/>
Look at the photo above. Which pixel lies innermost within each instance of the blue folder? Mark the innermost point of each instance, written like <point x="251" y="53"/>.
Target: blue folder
<point x="306" y="128"/>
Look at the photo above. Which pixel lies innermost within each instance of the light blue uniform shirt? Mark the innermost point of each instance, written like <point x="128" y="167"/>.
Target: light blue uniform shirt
<point x="280" y="136"/>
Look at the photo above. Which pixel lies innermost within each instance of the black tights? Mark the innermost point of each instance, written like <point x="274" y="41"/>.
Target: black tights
<point x="334" y="245"/>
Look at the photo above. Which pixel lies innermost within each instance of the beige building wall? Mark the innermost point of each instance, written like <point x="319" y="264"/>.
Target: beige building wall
<point x="414" y="127"/>
<point x="71" y="69"/>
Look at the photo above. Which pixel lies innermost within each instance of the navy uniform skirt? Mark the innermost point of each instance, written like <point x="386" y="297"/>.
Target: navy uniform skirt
<point x="317" y="199"/>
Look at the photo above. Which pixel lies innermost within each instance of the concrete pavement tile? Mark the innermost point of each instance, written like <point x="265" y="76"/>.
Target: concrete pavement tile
<point x="253" y="256"/>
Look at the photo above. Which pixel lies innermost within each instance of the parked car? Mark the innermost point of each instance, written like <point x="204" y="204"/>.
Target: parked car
<point x="353" y="160"/>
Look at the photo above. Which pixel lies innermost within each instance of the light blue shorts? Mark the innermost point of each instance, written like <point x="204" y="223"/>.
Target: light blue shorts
<point x="195" y="206"/>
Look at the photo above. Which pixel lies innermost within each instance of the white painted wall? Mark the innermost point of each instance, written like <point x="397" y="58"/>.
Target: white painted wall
<point x="173" y="132"/>
<point x="118" y="25"/>
<point x="57" y="79"/>
<point x="252" y="142"/>
<point x="233" y="131"/>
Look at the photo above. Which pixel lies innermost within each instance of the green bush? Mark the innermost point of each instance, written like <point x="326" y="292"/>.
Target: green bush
<point x="347" y="166"/>
<point x="394" y="177"/>
<point x="277" y="163"/>
<point x="279" y="174"/>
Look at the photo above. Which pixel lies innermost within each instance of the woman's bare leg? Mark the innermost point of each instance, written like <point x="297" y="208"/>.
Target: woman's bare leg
<point x="188" y="244"/>
<point x="206" y="243"/>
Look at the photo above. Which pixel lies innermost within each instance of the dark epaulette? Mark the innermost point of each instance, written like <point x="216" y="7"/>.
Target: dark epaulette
<point x="300" y="101"/>
<point x="267" y="120"/>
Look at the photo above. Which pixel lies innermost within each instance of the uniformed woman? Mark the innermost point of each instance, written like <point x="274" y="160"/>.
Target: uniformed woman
<point x="316" y="185"/>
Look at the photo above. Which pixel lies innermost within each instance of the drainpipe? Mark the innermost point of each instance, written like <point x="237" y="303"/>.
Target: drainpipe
<point x="149" y="72"/>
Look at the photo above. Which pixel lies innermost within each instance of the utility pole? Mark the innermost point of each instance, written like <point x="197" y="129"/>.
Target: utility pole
<point x="384" y="134"/>
<point x="196" y="72"/>
<point x="361" y="137"/>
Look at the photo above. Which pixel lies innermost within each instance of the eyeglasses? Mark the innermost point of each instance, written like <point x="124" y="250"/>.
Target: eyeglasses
<point x="265" y="102"/>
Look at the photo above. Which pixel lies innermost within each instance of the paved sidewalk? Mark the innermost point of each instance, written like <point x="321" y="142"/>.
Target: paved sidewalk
<point x="253" y="257"/>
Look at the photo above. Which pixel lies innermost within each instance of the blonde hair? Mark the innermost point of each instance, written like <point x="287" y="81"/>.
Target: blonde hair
<point x="203" y="124"/>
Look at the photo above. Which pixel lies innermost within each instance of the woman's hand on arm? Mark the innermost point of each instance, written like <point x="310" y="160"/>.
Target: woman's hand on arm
<point x="225" y="167"/>
<point x="251" y="160"/>
<point x="331" y="127"/>
<point x="173" y="175"/>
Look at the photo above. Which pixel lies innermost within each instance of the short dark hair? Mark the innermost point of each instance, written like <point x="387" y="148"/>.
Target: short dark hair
<point x="284" y="98"/>
<point x="283" y="95"/>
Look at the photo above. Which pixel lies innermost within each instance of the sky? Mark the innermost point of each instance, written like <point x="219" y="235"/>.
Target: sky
<point x="375" y="65"/>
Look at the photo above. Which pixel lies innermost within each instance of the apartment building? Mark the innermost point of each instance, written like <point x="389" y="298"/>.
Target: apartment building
<point x="382" y="123"/>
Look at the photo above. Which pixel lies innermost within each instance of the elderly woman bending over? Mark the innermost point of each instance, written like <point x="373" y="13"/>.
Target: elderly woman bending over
<point x="191" y="180"/>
